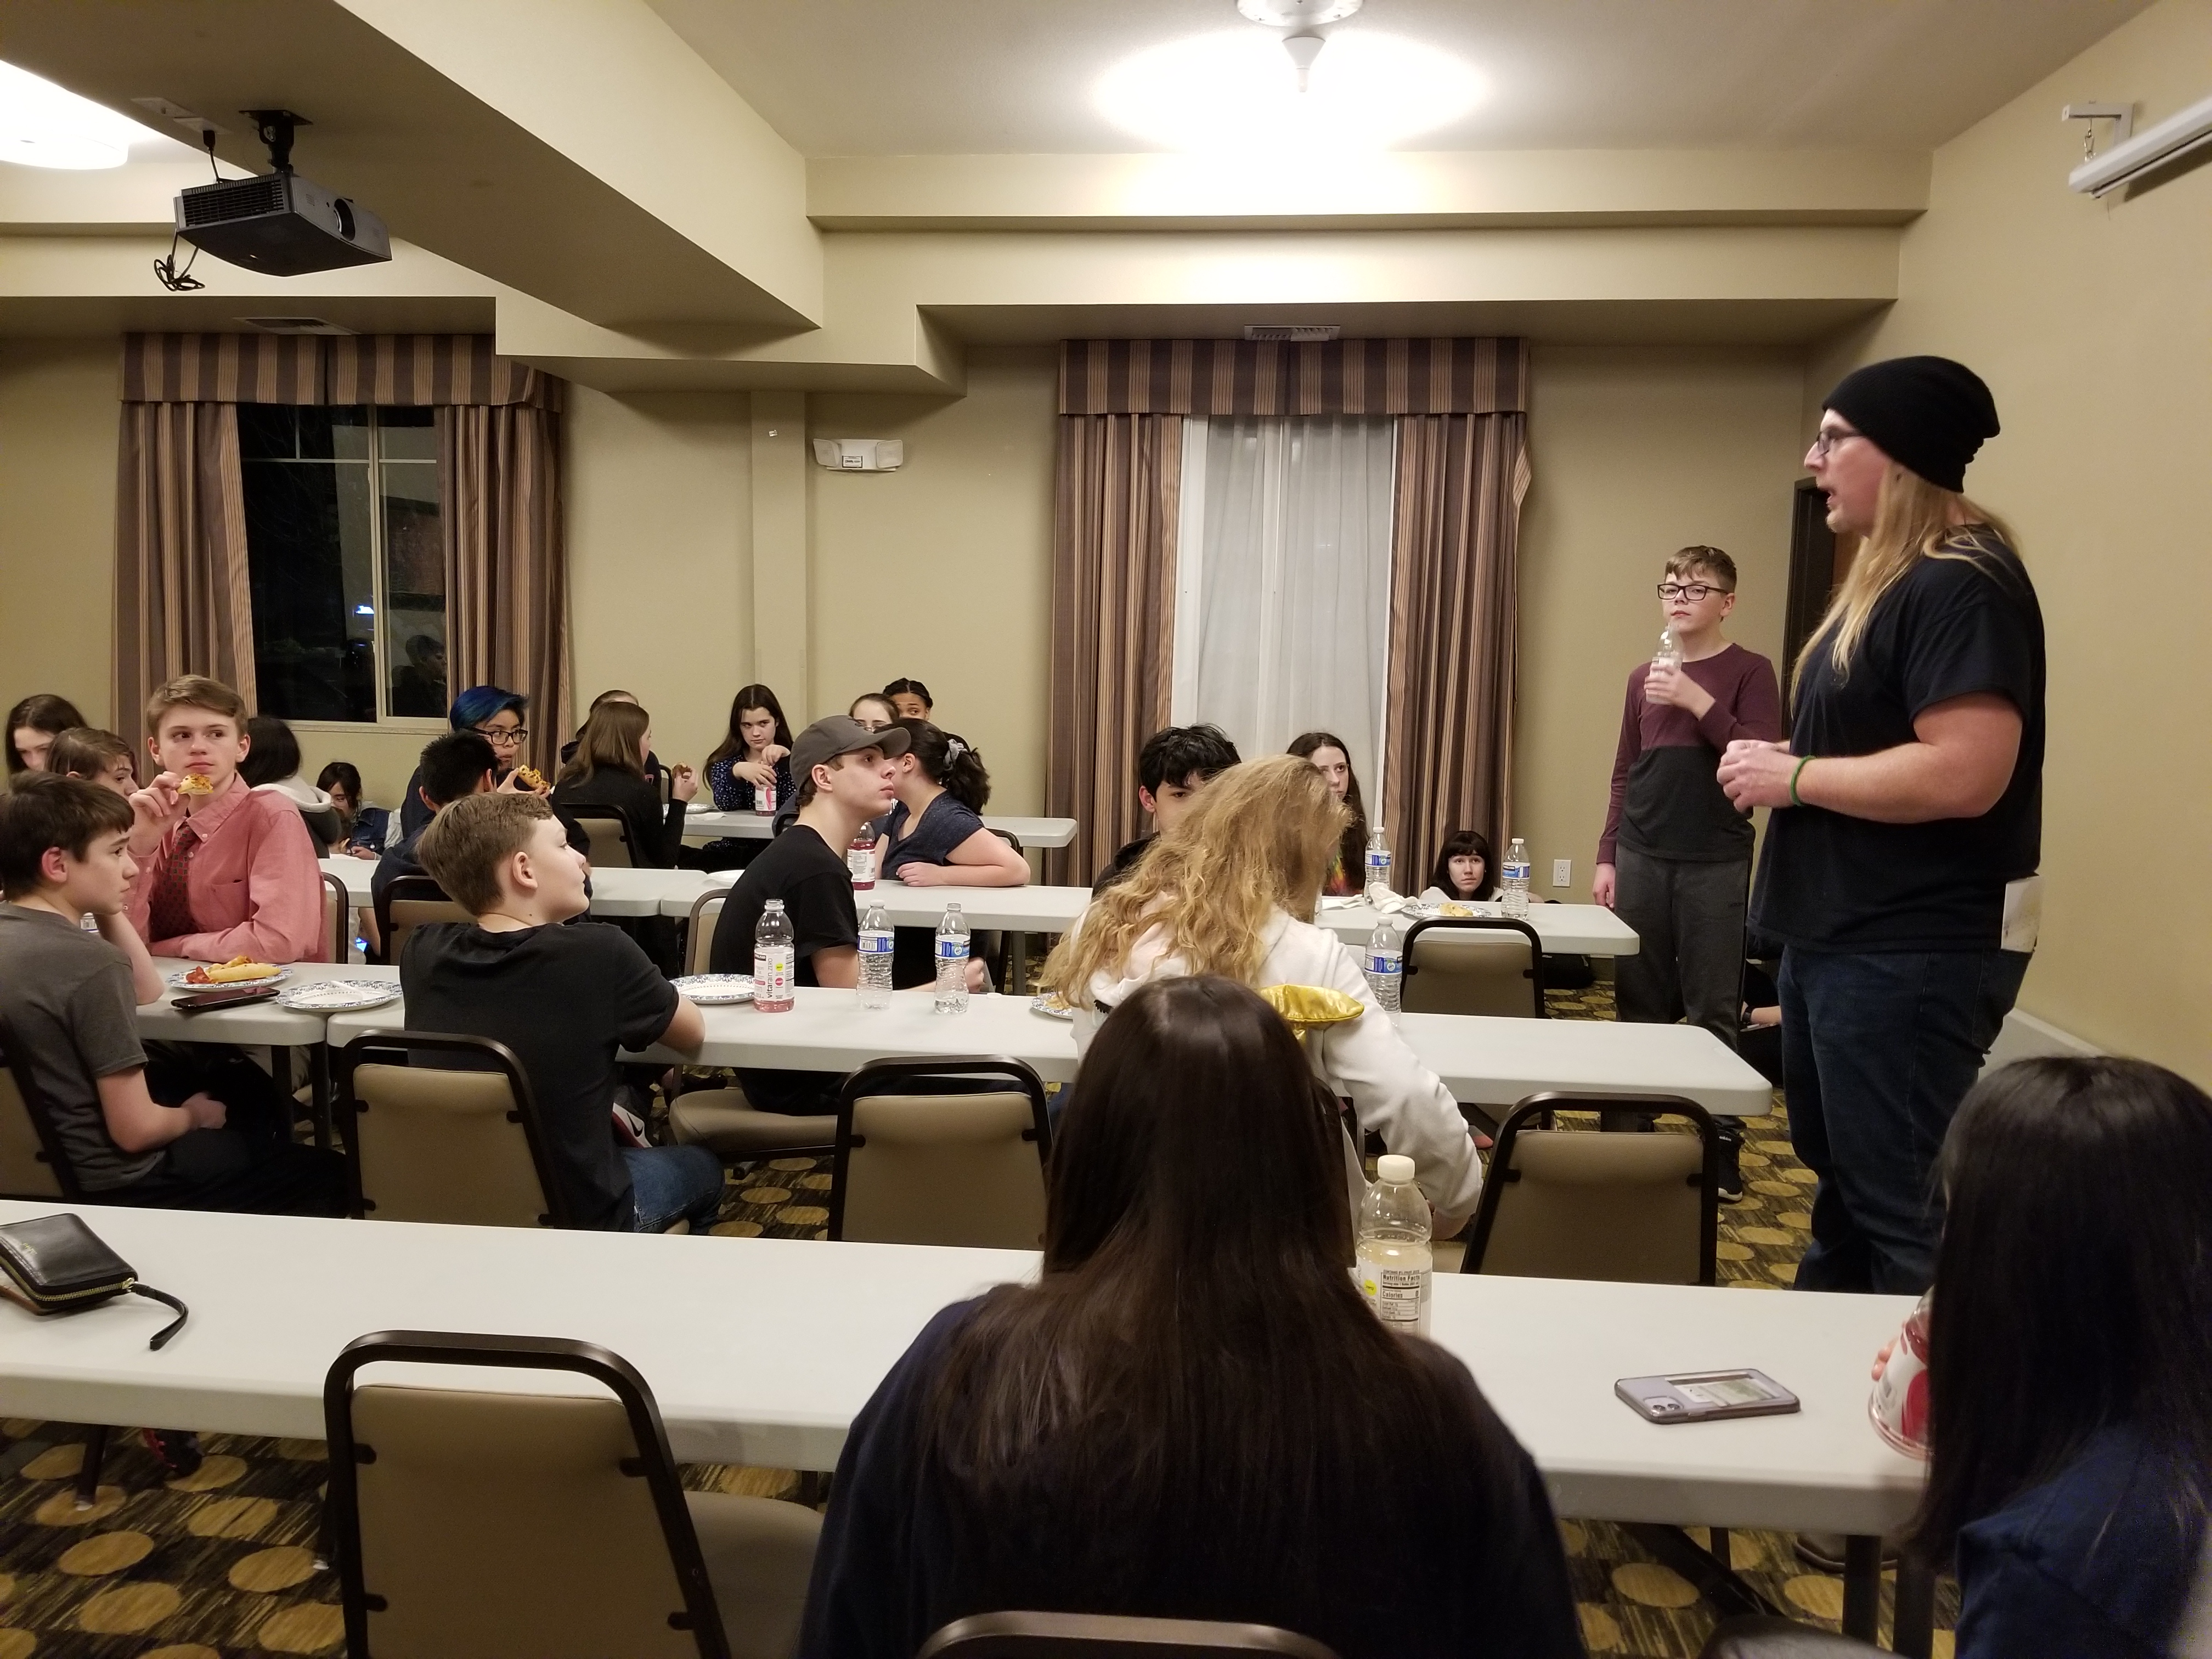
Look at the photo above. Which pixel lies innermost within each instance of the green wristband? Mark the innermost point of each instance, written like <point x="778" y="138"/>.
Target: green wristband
<point x="1794" y="776"/>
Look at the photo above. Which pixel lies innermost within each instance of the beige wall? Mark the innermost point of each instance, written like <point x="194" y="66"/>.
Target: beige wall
<point x="660" y="506"/>
<point x="1635" y="452"/>
<point x="943" y="570"/>
<point x="2092" y="323"/>
<point x="57" y="421"/>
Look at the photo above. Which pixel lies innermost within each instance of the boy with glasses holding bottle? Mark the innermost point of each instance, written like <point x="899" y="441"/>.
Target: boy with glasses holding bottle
<point x="1675" y="857"/>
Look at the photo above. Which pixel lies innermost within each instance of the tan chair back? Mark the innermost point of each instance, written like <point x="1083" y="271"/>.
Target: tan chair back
<point x="942" y="1168"/>
<point x="609" y="839"/>
<point x="1479" y="966"/>
<point x="1111" y="1635"/>
<point x="337" y="914"/>
<point x="430" y="1144"/>
<point x="29" y="1166"/>
<point x="478" y="1524"/>
<point x="699" y="943"/>
<point x="408" y="914"/>
<point x="1632" y="1208"/>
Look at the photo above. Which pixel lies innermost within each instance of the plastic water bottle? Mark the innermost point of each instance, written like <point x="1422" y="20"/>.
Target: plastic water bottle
<point x="775" y="962"/>
<point x="875" y="958"/>
<point x="1514" y="888"/>
<point x="860" y="861"/>
<point x="1378" y="866"/>
<point x="952" y="961"/>
<point x="1669" y="654"/>
<point x="1386" y="965"/>
<point x="764" y="795"/>
<point x="1394" y="1254"/>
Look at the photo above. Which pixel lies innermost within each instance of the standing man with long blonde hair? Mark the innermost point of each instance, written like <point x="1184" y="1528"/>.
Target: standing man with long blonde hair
<point x="1900" y="866"/>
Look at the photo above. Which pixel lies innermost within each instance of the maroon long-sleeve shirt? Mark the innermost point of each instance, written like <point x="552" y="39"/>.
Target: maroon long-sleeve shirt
<point x="1667" y="801"/>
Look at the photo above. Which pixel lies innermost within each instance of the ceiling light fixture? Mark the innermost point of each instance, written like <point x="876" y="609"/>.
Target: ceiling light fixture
<point x="1243" y="91"/>
<point x="43" y="125"/>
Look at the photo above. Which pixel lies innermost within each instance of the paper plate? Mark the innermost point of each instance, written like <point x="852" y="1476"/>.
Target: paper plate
<point x="716" y="990"/>
<point x="338" y="996"/>
<point x="1050" y="1006"/>
<point x="177" y="981"/>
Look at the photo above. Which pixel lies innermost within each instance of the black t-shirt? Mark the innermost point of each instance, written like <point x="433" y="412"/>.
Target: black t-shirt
<point x="1487" y="1578"/>
<point x="1950" y="627"/>
<point x="1124" y="861"/>
<point x="565" y="999"/>
<point x="810" y="876"/>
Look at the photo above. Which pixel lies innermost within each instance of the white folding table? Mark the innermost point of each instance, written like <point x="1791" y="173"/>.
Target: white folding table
<point x="763" y="1351"/>
<point x="1483" y="1061"/>
<point x="1031" y="909"/>
<point x="615" y="892"/>
<point x="707" y="823"/>
<point x="1586" y="930"/>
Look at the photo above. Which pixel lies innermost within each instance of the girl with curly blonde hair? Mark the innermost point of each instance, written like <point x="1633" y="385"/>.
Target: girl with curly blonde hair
<point x="1231" y="890"/>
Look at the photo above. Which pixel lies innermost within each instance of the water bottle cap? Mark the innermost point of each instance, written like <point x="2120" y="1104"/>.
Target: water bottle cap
<point x="1394" y="1168"/>
<point x="773" y="904"/>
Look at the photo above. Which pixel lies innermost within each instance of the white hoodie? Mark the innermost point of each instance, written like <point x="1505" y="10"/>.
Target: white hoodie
<point x="1392" y="1093"/>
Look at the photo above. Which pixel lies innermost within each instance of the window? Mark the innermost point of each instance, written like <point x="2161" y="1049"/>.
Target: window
<point x="346" y="559"/>
<point x="1283" y="580"/>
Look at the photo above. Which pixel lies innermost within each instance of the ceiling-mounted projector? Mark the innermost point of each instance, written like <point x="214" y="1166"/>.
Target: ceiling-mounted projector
<point x="279" y="224"/>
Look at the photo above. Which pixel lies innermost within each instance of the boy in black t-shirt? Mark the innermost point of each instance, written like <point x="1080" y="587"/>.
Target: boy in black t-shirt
<point x="566" y="1000"/>
<point x="844" y="778"/>
<point x="1173" y="766"/>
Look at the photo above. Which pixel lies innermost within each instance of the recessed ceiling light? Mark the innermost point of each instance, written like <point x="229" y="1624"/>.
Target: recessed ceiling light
<point x="43" y="125"/>
<point x="1237" y="90"/>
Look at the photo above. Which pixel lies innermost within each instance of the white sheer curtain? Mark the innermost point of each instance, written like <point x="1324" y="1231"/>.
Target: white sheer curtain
<point x="1283" y="581"/>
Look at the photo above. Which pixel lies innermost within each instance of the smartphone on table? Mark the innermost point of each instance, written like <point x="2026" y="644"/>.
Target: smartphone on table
<point x="1705" y="1396"/>
<point x="228" y="996"/>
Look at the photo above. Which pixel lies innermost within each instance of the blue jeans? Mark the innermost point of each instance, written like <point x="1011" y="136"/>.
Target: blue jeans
<point x="670" y="1181"/>
<point x="1877" y="1052"/>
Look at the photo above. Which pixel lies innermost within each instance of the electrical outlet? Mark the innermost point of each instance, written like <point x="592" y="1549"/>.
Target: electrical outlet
<point x="1563" y="873"/>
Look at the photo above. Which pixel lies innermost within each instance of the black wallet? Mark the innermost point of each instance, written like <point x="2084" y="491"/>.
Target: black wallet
<point x="59" y="1264"/>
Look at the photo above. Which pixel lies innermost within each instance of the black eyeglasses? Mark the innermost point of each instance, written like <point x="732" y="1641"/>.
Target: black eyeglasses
<point x="1824" y="440"/>
<point x="1694" y="591"/>
<point x="500" y="734"/>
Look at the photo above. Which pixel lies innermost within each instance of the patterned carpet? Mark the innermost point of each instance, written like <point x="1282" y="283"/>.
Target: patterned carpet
<point x="222" y="1564"/>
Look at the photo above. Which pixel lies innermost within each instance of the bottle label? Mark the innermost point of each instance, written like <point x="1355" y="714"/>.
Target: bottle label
<point x="860" y="862"/>
<point x="764" y="798"/>
<point x="1395" y="1294"/>
<point x="1378" y="865"/>
<point x="950" y="947"/>
<point x="1389" y="963"/>
<point x="1516" y="871"/>
<point x="875" y="944"/>
<point x="773" y="975"/>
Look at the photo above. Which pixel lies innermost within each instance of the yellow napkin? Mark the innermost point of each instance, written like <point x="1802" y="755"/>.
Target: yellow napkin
<point x="1310" y="1007"/>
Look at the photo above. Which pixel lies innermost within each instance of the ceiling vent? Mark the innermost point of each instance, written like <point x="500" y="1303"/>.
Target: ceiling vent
<point x="1302" y="332"/>
<point x="295" y="325"/>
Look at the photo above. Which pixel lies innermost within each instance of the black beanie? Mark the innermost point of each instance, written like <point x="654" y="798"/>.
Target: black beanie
<point x="1926" y="413"/>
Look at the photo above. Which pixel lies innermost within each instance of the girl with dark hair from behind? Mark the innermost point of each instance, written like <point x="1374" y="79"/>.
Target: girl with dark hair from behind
<point x="1466" y="871"/>
<point x="608" y="772"/>
<point x="935" y="837"/>
<point x="272" y="763"/>
<point x="1191" y="1413"/>
<point x="33" y="726"/>
<point x="2070" y="1366"/>
<point x="1332" y="757"/>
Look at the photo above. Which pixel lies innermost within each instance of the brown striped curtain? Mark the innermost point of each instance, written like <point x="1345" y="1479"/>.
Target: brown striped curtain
<point x="506" y="604"/>
<point x="183" y="602"/>
<point x="1115" y="501"/>
<point x="1448" y="745"/>
<point x="1462" y="471"/>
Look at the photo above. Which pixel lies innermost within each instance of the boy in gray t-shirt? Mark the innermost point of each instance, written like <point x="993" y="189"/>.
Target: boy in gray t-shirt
<point x="206" y="1136"/>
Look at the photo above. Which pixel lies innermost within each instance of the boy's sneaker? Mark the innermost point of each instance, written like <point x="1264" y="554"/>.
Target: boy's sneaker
<point x="177" y="1450"/>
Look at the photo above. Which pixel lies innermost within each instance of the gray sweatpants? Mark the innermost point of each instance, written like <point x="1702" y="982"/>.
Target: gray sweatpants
<point x="1689" y="918"/>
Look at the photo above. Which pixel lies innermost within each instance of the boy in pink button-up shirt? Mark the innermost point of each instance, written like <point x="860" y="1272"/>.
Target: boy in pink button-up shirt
<point x="226" y="870"/>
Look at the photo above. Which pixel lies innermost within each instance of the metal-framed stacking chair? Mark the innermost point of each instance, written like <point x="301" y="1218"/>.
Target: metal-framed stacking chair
<point x="942" y="1151"/>
<point x="1473" y="965"/>
<point x="1100" y="1636"/>
<point x="1572" y="1203"/>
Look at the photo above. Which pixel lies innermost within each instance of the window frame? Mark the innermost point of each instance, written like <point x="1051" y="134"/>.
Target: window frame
<point x="379" y="582"/>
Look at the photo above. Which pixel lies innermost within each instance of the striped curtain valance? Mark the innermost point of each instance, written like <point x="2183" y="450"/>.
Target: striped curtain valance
<point x="406" y="370"/>
<point x="1266" y="377"/>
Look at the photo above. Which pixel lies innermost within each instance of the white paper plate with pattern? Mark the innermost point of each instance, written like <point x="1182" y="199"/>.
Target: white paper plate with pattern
<point x="338" y="996"/>
<point x="1052" y="1006"/>
<point x="716" y="990"/>
<point x="182" y="980"/>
